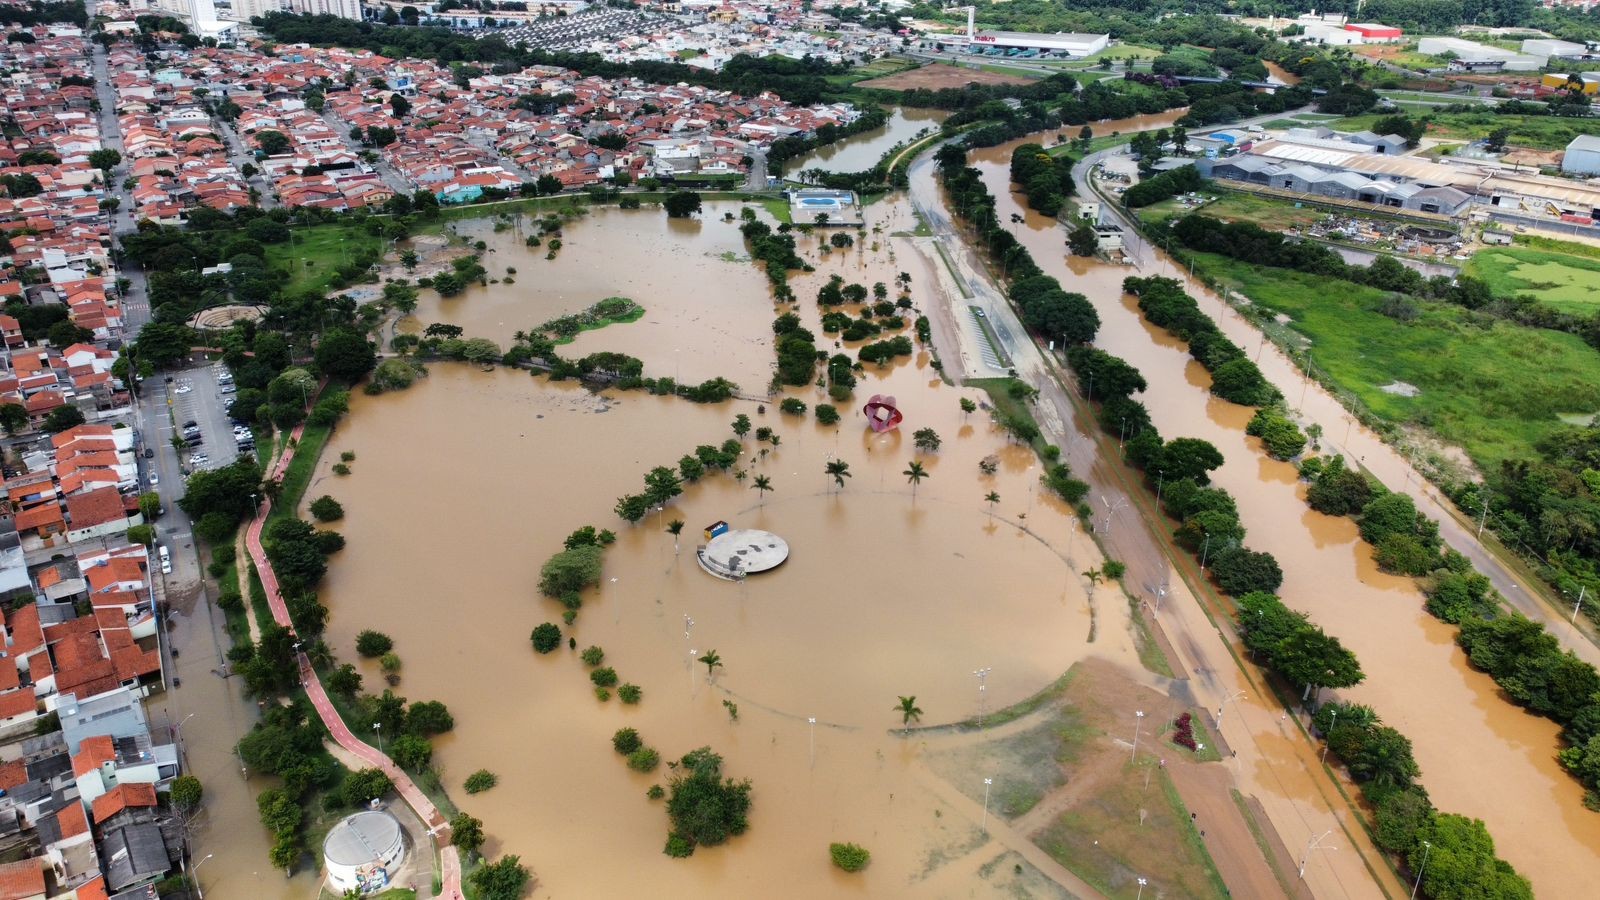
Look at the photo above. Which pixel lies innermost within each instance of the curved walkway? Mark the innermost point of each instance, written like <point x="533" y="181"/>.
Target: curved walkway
<point x="450" y="860"/>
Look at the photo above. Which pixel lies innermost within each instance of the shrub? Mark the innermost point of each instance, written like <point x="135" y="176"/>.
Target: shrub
<point x="644" y="759"/>
<point x="1183" y="733"/>
<point x="1240" y="571"/>
<point x="593" y="656"/>
<point x="604" y="677"/>
<point x="546" y="637"/>
<point x="626" y="740"/>
<point x="827" y="414"/>
<point x="341" y="469"/>
<point x="326" y="509"/>
<point x="373" y="644"/>
<point x="571" y="570"/>
<point x="389" y="662"/>
<point x="602" y="694"/>
<point x="793" y="406"/>
<point x="849" y="857"/>
<point x="656" y="792"/>
<point x="630" y="693"/>
<point x="481" y="781"/>
<point x="678" y="846"/>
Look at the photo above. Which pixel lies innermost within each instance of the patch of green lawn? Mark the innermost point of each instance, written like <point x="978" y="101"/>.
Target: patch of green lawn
<point x="1492" y="387"/>
<point x="1566" y="282"/>
<point x="312" y="255"/>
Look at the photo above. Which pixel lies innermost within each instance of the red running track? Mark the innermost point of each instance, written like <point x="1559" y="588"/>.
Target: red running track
<point x="450" y="860"/>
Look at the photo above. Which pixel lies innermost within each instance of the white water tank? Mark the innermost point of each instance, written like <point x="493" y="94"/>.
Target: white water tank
<point x="363" y="851"/>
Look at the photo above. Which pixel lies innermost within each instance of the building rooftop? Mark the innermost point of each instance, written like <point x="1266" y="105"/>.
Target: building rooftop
<point x="361" y="838"/>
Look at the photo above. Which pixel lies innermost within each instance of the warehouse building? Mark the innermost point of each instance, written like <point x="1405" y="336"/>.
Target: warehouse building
<point x="1471" y="56"/>
<point x="1583" y="156"/>
<point x="1075" y="45"/>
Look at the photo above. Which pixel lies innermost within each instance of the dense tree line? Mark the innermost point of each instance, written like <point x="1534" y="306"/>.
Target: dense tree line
<point x="1155" y="189"/>
<point x="1045" y="180"/>
<point x="1234" y="377"/>
<point x="34" y="13"/>
<point x="1045" y="306"/>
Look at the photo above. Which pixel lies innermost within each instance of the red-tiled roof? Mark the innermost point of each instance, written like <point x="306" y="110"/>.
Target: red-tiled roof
<point x="124" y="796"/>
<point x="72" y="820"/>
<point x="18" y="702"/>
<point x="20" y="880"/>
<point x="92" y="754"/>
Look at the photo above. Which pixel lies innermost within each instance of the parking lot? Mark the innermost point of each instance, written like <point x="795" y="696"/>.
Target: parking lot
<point x="197" y="404"/>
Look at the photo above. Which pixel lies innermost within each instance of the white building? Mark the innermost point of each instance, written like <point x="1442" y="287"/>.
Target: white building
<point x="1472" y="54"/>
<point x="1582" y="156"/>
<point x="363" y="851"/>
<point x="344" y="9"/>
<point x="1061" y="42"/>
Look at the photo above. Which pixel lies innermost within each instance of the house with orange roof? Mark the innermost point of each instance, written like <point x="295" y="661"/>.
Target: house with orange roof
<point x="102" y="763"/>
<point x="99" y="513"/>
<point x="22" y="880"/>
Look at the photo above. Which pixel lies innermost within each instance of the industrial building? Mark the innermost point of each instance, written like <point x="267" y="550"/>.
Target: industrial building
<point x="1357" y="173"/>
<point x="1471" y="56"/>
<point x="1582" y="156"/>
<point x="1587" y="82"/>
<point x="1075" y="45"/>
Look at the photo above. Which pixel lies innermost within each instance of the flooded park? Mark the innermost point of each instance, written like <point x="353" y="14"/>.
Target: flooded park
<point x="967" y="590"/>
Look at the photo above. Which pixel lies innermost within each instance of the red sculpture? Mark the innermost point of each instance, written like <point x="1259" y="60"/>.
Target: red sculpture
<point x="882" y="415"/>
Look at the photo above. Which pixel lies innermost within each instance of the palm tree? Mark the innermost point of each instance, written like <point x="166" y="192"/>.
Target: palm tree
<point x="914" y="475"/>
<point x="909" y="710"/>
<point x="991" y="498"/>
<point x="675" y="528"/>
<point x="713" y="663"/>
<point x="840" y="470"/>
<point x="1094" y="576"/>
<point x="762" y="484"/>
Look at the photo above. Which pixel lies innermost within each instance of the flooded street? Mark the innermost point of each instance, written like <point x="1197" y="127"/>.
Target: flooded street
<point x="227" y="827"/>
<point x="862" y="151"/>
<point x="1480" y="755"/>
<point x="886" y="593"/>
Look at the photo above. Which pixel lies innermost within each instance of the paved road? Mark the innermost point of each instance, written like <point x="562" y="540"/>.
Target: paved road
<point x="757" y="180"/>
<point x="136" y="299"/>
<point x="385" y="171"/>
<point x="335" y="723"/>
<point x="241" y="157"/>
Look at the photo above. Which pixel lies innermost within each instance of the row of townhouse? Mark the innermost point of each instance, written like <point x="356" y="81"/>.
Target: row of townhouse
<point x="82" y="485"/>
<point x="44" y="379"/>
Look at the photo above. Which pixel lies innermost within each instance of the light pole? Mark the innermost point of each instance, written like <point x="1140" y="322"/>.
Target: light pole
<point x="1140" y="895"/>
<point x="1236" y="695"/>
<point x="195" y="874"/>
<point x="983" y="675"/>
<point x="1314" y="844"/>
<point x="1138" y="720"/>
<point x="1205" y="550"/>
<point x="1426" y="849"/>
<point x="692" y="654"/>
<point x="987" y="783"/>
<point x="812" y="721"/>
<point x="1579" y="605"/>
<point x="377" y="728"/>
<point x="1161" y="482"/>
<point x="1161" y="593"/>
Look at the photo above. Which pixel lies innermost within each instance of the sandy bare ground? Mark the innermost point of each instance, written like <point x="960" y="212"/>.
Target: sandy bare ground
<point x="936" y="77"/>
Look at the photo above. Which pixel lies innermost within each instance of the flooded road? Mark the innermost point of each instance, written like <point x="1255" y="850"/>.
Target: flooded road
<point x="1480" y="755"/>
<point x="887" y="593"/>
<point x="207" y="715"/>
<point x="691" y="275"/>
<point x="1279" y="75"/>
<point x="862" y="151"/>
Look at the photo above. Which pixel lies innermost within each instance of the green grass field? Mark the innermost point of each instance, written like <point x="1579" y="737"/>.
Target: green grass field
<point x="1530" y="132"/>
<point x="312" y="254"/>
<point x="1564" y="281"/>
<point x="1489" y="386"/>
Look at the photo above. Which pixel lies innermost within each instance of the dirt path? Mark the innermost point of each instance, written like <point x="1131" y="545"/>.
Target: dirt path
<point x="1233" y="847"/>
<point x="242" y="570"/>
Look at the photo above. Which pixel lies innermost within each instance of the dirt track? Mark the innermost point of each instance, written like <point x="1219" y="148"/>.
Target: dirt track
<point x="937" y="77"/>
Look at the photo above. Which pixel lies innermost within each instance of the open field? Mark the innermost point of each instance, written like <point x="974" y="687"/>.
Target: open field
<point x="1491" y="387"/>
<point x="313" y="254"/>
<point x="1233" y="206"/>
<point x="1567" y="282"/>
<point x="937" y="77"/>
<point x="1532" y="132"/>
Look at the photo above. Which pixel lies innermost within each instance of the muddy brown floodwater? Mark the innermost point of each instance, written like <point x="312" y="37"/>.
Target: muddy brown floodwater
<point x="1480" y="755"/>
<point x="691" y="275"/>
<point x="886" y="593"/>
<point x="862" y="151"/>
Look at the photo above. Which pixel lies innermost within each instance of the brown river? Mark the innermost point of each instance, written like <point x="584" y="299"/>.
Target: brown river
<point x="886" y="592"/>
<point x="862" y="151"/>
<point x="1480" y="755"/>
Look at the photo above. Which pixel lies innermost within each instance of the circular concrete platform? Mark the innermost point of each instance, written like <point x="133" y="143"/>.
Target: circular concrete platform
<point x="742" y="551"/>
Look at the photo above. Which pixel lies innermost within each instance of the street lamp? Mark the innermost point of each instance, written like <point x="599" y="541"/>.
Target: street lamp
<point x="1332" y="723"/>
<point x="987" y="783"/>
<point x="1205" y="550"/>
<point x="1313" y="844"/>
<point x="983" y="675"/>
<point x="1236" y="695"/>
<point x="812" y="721"/>
<point x="377" y="728"/>
<point x="1426" y="849"/>
<point x="195" y="874"/>
<point x="1139" y="895"/>
<point x="1138" y="720"/>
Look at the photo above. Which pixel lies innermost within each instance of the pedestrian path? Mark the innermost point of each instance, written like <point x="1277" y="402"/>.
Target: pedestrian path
<point x="407" y="789"/>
